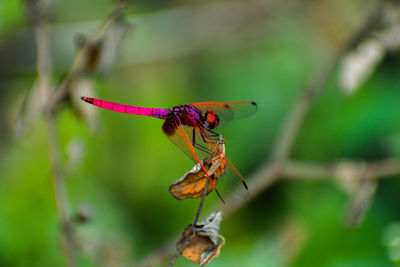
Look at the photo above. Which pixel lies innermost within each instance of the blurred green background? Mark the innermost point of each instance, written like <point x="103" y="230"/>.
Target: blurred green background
<point x="177" y="53"/>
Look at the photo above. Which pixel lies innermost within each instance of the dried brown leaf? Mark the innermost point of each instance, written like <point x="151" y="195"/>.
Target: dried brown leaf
<point x="192" y="184"/>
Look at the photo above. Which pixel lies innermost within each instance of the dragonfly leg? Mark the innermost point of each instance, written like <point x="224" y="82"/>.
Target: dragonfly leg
<point x="214" y="133"/>
<point x="213" y="137"/>
<point x="202" y="148"/>
<point x="198" y="146"/>
<point x="194" y="137"/>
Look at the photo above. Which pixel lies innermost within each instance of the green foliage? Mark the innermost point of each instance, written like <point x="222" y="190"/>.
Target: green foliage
<point x="126" y="165"/>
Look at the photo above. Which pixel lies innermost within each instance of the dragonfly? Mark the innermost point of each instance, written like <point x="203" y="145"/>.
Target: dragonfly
<point x="191" y="127"/>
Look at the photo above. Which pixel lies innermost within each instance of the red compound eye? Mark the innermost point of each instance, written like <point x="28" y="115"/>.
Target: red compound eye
<point x="212" y="119"/>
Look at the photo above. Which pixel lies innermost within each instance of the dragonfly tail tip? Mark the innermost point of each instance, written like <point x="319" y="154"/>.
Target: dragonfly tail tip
<point x="87" y="99"/>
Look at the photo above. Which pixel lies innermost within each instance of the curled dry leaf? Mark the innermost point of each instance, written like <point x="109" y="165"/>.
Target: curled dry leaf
<point x="192" y="184"/>
<point x="201" y="240"/>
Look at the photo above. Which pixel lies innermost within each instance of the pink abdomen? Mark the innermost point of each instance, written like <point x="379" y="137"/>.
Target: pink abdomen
<point x="160" y="113"/>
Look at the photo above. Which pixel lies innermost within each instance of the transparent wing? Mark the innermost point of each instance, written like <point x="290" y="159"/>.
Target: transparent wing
<point x="231" y="181"/>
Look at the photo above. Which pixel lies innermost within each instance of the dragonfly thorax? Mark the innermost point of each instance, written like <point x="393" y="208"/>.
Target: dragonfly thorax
<point x="188" y="115"/>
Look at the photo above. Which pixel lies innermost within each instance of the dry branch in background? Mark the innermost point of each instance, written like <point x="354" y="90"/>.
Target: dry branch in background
<point x="44" y="71"/>
<point x="51" y="102"/>
<point x="279" y="166"/>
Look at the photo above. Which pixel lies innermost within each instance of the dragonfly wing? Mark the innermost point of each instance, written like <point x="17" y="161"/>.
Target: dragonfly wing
<point x="234" y="181"/>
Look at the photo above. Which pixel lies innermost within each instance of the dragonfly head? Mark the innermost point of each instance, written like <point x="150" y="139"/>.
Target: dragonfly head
<point x="210" y="119"/>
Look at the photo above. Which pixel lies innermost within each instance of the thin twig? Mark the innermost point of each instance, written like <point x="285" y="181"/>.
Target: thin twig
<point x="193" y="226"/>
<point x="44" y="70"/>
<point x="306" y="171"/>
<point x="60" y="194"/>
<point x="275" y="168"/>
<point x="44" y="77"/>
